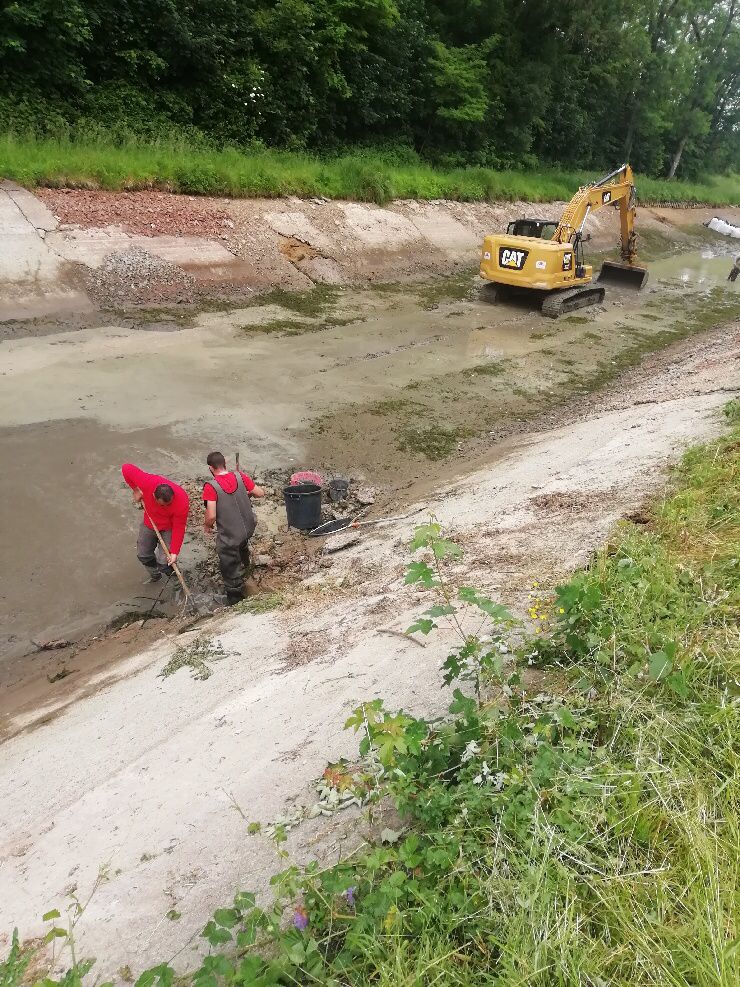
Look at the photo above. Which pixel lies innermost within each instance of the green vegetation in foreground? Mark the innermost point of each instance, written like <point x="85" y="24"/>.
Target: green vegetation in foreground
<point x="573" y="820"/>
<point x="179" y="166"/>
<point x="198" y="656"/>
<point x="262" y="603"/>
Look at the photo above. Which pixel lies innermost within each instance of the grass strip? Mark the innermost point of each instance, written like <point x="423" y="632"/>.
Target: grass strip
<point x="180" y="166"/>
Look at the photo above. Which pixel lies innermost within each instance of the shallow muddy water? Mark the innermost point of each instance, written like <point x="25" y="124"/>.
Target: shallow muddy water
<point x="396" y="384"/>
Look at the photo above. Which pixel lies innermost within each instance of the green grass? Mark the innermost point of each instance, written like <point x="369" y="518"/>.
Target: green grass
<point x="434" y="442"/>
<point x="262" y="603"/>
<point x="180" y="166"/>
<point x="487" y="369"/>
<point x="311" y="304"/>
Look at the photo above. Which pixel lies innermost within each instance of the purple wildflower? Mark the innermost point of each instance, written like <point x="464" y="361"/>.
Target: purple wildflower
<point x="300" y="918"/>
<point x="350" y="896"/>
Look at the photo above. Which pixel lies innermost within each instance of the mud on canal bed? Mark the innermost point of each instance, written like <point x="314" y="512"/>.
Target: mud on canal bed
<point x="402" y="386"/>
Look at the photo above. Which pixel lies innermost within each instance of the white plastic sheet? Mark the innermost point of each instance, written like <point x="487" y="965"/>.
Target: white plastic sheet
<point x="721" y="226"/>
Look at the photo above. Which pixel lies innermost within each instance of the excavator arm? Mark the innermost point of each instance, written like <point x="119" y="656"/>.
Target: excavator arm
<point x="618" y="188"/>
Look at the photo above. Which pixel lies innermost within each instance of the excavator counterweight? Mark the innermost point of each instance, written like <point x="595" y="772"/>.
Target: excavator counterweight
<point x="543" y="256"/>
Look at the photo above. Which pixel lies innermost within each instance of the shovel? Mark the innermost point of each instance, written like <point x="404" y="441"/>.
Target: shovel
<point x="339" y="524"/>
<point x="334" y="527"/>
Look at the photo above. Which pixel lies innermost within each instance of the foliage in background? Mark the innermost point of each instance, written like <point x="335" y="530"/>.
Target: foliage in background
<point x="575" y="822"/>
<point x="463" y="82"/>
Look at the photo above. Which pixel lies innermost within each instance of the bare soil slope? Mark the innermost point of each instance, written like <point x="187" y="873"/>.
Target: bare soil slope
<point x="140" y="776"/>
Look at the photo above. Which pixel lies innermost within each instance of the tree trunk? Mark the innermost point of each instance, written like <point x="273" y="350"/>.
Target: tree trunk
<point x="629" y="140"/>
<point x="677" y="158"/>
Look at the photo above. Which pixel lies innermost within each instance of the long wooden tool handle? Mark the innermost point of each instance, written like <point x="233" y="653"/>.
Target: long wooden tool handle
<point x="379" y="520"/>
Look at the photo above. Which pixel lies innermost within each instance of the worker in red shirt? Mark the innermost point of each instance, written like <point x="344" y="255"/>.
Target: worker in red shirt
<point x="165" y="504"/>
<point x="229" y="510"/>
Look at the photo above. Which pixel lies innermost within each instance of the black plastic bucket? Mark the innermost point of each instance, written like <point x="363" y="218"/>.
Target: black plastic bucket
<point x="303" y="505"/>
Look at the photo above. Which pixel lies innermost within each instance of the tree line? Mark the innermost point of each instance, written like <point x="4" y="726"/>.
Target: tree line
<point x="502" y="83"/>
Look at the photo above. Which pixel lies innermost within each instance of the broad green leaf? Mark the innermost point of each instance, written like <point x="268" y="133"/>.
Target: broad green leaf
<point x="659" y="666"/>
<point x="444" y="549"/>
<point x="297" y="953"/>
<point x="54" y="913"/>
<point x="163" y="975"/>
<point x="566" y="718"/>
<point x="423" y="625"/>
<point x="227" y="917"/>
<point x="244" y="900"/>
<point x="419" y="572"/>
<point x="424" y="534"/>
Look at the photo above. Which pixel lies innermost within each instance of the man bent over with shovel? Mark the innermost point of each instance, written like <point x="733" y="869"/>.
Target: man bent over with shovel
<point x="229" y="509"/>
<point x="165" y="505"/>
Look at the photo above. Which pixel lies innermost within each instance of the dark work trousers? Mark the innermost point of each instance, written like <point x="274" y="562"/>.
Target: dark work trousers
<point x="233" y="560"/>
<point x="149" y="551"/>
<point x="733" y="273"/>
<point x="235" y="524"/>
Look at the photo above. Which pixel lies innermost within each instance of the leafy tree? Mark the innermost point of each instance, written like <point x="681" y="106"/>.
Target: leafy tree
<point x="488" y="82"/>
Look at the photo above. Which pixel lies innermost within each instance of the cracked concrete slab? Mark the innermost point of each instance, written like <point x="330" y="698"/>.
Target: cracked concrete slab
<point x="91" y="246"/>
<point x="445" y="232"/>
<point x="33" y="209"/>
<point x="33" y="278"/>
<point x="379" y="227"/>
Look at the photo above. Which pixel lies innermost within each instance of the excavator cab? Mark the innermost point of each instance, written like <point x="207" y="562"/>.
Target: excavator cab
<point x="542" y="229"/>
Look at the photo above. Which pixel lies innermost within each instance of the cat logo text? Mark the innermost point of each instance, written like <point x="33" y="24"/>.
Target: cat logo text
<point x="512" y="259"/>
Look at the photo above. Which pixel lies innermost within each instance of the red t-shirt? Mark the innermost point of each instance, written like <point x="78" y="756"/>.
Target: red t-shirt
<point x="227" y="482"/>
<point x="169" y="517"/>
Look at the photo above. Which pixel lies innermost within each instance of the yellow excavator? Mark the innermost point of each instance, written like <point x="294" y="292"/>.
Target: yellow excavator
<point x="544" y="256"/>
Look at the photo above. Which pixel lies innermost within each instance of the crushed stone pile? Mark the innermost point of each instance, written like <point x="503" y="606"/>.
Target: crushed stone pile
<point x="145" y="212"/>
<point x="135" y="277"/>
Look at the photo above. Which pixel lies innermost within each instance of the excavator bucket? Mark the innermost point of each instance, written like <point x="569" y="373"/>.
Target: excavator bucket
<point x="623" y="275"/>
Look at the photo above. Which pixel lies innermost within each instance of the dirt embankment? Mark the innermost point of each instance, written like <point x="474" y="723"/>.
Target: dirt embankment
<point x="151" y="767"/>
<point x="245" y="245"/>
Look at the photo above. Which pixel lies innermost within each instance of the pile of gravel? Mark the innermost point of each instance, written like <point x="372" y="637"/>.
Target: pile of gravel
<point x="136" y="277"/>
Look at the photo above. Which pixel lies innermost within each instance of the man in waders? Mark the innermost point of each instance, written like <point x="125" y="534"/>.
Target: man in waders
<point x="732" y="276"/>
<point x="229" y="509"/>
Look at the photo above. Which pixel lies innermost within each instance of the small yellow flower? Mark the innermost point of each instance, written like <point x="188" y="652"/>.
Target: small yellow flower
<point x="561" y="610"/>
